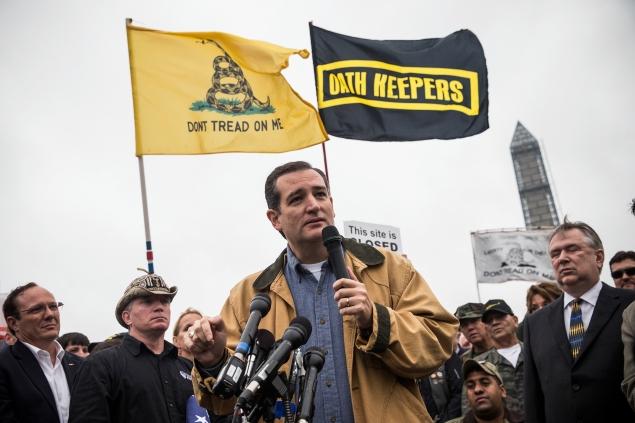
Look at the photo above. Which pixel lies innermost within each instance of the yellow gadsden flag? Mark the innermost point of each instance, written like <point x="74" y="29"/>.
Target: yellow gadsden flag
<point x="210" y="92"/>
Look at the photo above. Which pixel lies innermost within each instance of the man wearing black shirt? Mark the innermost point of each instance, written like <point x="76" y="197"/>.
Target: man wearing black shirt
<point x="143" y="379"/>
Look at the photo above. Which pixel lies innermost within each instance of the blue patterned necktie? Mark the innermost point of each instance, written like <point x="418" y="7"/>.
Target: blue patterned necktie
<point x="576" y="328"/>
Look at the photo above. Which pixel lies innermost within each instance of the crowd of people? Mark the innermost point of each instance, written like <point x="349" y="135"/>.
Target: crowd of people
<point x="392" y="352"/>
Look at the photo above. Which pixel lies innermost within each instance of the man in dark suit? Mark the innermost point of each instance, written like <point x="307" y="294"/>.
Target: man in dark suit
<point x="36" y="375"/>
<point x="573" y="349"/>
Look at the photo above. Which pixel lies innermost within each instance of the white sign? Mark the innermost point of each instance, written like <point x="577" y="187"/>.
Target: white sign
<point x="512" y="255"/>
<point x="384" y="236"/>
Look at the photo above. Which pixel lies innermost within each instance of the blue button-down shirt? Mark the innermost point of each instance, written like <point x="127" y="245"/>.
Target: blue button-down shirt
<point x="314" y="300"/>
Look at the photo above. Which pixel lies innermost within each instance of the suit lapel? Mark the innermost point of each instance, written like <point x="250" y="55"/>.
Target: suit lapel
<point x="604" y="308"/>
<point x="70" y="367"/>
<point x="555" y="321"/>
<point x="34" y="372"/>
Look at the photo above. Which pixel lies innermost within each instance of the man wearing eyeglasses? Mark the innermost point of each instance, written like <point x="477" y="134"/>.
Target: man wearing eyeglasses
<point x="36" y="374"/>
<point x="623" y="269"/>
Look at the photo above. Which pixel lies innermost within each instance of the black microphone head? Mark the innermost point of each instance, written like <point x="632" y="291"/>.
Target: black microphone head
<point x="330" y="235"/>
<point x="298" y="332"/>
<point x="265" y="339"/>
<point x="261" y="303"/>
<point x="314" y="357"/>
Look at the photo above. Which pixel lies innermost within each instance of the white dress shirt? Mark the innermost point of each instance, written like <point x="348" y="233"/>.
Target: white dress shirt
<point x="587" y="305"/>
<point x="55" y="376"/>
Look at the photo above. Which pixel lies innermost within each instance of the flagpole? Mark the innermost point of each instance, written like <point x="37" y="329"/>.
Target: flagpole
<point x="326" y="166"/>
<point x="146" y="221"/>
<point x="478" y="290"/>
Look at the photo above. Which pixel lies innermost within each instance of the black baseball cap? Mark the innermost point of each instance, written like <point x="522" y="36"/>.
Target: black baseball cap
<point x="496" y="305"/>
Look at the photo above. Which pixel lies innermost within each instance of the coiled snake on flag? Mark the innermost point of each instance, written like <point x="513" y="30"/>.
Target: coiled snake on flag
<point x="230" y="91"/>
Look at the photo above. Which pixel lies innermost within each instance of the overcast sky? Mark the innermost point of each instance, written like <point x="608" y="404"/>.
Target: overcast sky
<point x="70" y="208"/>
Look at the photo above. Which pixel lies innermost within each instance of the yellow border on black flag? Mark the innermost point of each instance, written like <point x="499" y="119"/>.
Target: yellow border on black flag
<point x="400" y="90"/>
<point x="472" y="110"/>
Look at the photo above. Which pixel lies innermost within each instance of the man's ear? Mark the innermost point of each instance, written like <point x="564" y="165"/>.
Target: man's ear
<point x="125" y="316"/>
<point x="274" y="218"/>
<point x="599" y="258"/>
<point x="332" y="206"/>
<point x="12" y="323"/>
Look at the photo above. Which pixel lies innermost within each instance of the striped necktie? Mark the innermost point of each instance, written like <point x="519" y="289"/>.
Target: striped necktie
<point x="576" y="328"/>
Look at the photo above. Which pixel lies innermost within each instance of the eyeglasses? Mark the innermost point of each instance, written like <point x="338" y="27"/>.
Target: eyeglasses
<point x="630" y="271"/>
<point x="40" y="308"/>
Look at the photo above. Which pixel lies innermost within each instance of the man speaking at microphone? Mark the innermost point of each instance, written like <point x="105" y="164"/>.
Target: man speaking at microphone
<point x="381" y="327"/>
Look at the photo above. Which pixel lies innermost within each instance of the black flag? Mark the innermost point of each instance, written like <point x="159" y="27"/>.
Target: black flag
<point x="400" y="90"/>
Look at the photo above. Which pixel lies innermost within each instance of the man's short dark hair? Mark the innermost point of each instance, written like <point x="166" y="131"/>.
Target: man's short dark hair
<point x="73" y="338"/>
<point x="621" y="256"/>
<point x="592" y="237"/>
<point x="272" y="195"/>
<point x="10" y="306"/>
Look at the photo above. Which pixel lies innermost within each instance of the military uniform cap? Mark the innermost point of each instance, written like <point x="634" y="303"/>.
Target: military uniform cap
<point x="485" y="366"/>
<point x="469" y="311"/>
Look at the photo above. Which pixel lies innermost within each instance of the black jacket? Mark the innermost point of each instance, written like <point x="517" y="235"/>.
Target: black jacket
<point x="25" y="394"/>
<point x="128" y="383"/>
<point x="560" y="390"/>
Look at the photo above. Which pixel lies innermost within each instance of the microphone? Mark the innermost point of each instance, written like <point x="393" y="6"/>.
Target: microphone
<point x="313" y="362"/>
<point x="333" y="242"/>
<point x="230" y="378"/>
<point x="262" y="345"/>
<point x="260" y="306"/>
<point x="295" y="335"/>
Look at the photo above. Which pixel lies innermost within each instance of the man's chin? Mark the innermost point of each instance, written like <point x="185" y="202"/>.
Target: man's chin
<point x="159" y="325"/>
<point x="568" y="280"/>
<point x="486" y="411"/>
<point x="475" y="339"/>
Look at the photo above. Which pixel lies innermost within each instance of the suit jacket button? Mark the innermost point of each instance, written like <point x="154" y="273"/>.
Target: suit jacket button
<point x="575" y="387"/>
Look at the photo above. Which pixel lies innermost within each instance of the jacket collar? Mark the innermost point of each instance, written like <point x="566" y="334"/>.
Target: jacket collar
<point x="136" y="347"/>
<point x="368" y="255"/>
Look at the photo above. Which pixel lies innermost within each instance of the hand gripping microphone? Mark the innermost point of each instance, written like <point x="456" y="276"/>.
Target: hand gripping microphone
<point x="313" y="362"/>
<point x="229" y="379"/>
<point x="262" y="345"/>
<point x="333" y="243"/>
<point x="295" y="335"/>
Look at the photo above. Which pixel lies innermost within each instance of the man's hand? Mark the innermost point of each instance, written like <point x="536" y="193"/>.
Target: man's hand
<point x="352" y="299"/>
<point x="206" y="340"/>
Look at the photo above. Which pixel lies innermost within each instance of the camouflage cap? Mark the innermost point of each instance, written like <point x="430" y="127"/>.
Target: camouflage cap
<point x="150" y="284"/>
<point x="485" y="366"/>
<point x="496" y="305"/>
<point x="469" y="311"/>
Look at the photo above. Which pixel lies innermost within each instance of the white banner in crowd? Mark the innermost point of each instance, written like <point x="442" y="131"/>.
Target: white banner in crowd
<point x="384" y="236"/>
<point x="519" y="255"/>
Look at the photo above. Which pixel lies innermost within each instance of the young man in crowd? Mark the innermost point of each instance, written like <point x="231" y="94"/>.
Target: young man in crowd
<point x="486" y="395"/>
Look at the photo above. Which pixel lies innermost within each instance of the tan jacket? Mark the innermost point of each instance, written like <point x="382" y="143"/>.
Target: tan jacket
<point x="412" y="334"/>
<point x="628" y="338"/>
